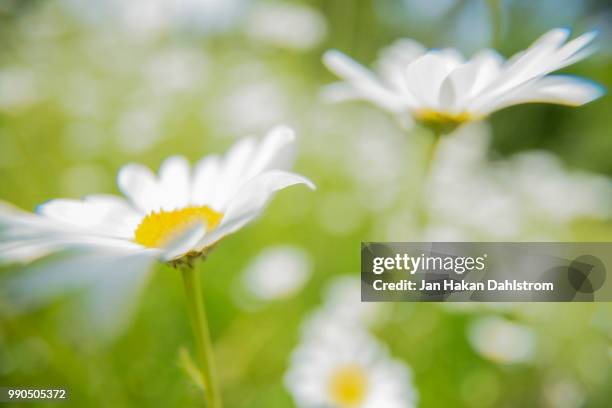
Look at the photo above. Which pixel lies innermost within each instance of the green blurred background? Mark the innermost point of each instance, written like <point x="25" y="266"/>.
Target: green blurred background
<point x="86" y="86"/>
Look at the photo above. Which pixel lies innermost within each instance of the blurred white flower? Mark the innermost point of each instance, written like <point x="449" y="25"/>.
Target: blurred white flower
<point x="441" y="89"/>
<point x="502" y="341"/>
<point x="289" y="26"/>
<point x="347" y="369"/>
<point x="277" y="272"/>
<point x="362" y="84"/>
<point x="175" y="216"/>
<point x="342" y="306"/>
<point x="527" y="196"/>
<point x="542" y="181"/>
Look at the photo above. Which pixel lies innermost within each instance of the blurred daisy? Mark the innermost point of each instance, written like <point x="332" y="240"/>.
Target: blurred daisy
<point x="277" y="272"/>
<point x="523" y="197"/>
<point x="347" y="369"/>
<point x="442" y="90"/>
<point x="502" y="341"/>
<point x="343" y="305"/>
<point x="175" y="217"/>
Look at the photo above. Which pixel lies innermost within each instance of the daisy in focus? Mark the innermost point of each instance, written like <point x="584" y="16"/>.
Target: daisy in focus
<point x="336" y="368"/>
<point x="441" y="89"/>
<point x="175" y="217"/>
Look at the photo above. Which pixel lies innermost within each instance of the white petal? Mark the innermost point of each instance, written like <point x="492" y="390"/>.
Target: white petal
<point x="99" y="214"/>
<point x="25" y="252"/>
<point x="14" y="219"/>
<point x="205" y="176"/>
<point x="111" y="278"/>
<point x="552" y="39"/>
<point x="395" y="58"/>
<point x="216" y="180"/>
<point x="546" y="55"/>
<point x="140" y="186"/>
<point x="187" y="241"/>
<point x="364" y="82"/>
<point x="456" y="87"/>
<point x="250" y="200"/>
<point x="576" y="49"/>
<point x="174" y="182"/>
<point x="228" y="227"/>
<point x="559" y="89"/>
<point x="235" y="163"/>
<point x="37" y="285"/>
<point x="340" y="92"/>
<point x="466" y="80"/>
<point x="489" y="64"/>
<point x="425" y="75"/>
<point x="276" y="151"/>
<point x="347" y="68"/>
<point x="110" y="304"/>
<point x="25" y="236"/>
<point x="254" y="195"/>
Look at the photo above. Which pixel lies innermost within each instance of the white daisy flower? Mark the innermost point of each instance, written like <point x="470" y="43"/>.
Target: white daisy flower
<point x="441" y="89"/>
<point x="347" y="369"/>
<point x="175" y="217"/>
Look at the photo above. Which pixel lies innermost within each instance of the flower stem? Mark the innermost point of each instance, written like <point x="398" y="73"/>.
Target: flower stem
<point x="431" y="154"/>
<point x="430" y="157"/>
<point x="197" y="314"/>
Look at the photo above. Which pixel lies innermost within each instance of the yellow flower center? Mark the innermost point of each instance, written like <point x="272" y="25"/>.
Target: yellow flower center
<point x="160" y="227"/>
<point x="348" y="386"/>
<point x="443" y="122"/>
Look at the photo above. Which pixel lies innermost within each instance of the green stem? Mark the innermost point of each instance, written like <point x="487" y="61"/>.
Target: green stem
<point x="197" y="314"/>
<point x="430" y="157"/>
<point x="431" y="154"/>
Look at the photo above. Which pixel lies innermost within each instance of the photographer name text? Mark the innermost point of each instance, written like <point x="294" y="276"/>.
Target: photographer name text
<point x="452" y="285"/>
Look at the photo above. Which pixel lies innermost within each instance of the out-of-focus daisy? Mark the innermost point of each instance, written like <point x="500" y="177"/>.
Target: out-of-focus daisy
<point x="277" y="272"/>
<point x="502" y="341"/>
<point x="442" y="90"/>
<point x="343" y="305"/>
<point x="523" y="197"/>
<point x="175" y="217"/>
<point x="347" y="369"/>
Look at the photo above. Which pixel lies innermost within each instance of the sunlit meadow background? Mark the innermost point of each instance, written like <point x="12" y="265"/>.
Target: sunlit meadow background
<point x="86" y="86"/>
